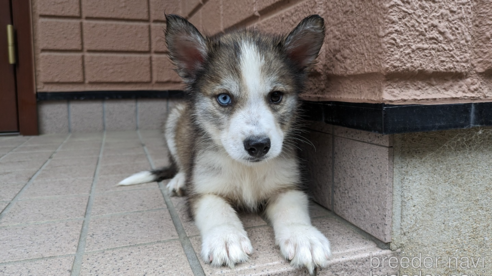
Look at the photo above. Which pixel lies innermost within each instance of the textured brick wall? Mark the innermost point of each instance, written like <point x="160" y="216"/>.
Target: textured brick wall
<point x="378" y="50"/>
<point x="102" y="45"/>
<point x="374" y="51"/>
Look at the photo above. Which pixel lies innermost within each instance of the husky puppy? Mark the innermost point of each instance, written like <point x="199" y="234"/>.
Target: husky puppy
<point x="232" y="143"/>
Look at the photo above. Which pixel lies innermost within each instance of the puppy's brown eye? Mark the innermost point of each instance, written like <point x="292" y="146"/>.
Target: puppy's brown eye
<point x="276" y="97"/>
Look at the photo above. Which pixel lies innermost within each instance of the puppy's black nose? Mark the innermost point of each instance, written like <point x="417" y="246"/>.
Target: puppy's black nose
<point x="257" y="146"/>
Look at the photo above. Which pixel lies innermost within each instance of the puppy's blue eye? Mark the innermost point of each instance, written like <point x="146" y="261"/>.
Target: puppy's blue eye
<point x="224" y="99"/>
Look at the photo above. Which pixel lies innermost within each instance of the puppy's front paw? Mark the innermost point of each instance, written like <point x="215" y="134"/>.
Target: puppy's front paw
<point x="226" y="245"/>
<point x="176" y="185"/>
<point x="304" y="246"/>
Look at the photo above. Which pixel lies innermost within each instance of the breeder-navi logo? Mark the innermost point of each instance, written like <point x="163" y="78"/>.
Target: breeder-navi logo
<point x="428" y="262"/>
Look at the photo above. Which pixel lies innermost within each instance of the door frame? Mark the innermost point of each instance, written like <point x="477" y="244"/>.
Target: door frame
<point x="26" y="89"/>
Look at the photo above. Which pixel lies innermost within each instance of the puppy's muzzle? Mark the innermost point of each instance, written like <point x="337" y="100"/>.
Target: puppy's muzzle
<point x="256" y="146"/>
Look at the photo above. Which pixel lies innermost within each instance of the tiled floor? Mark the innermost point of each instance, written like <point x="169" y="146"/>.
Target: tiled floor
<point x="62" y="214"/>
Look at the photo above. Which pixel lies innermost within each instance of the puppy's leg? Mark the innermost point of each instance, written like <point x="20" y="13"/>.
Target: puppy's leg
<point x="299" y="241"/>
<point x="176" y="185"/>
<point x="224" y="240"/>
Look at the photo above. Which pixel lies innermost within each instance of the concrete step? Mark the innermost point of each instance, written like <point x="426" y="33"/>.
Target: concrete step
<point x="352" y="249"/>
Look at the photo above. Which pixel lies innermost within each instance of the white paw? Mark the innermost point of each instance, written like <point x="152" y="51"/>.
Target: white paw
<point x="176" y="185"/>
<point x="226" y="245"/>
<point x="304" y="246"/>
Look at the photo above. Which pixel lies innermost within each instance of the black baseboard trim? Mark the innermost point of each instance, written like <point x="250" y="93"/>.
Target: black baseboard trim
<point x="378" y="118"/>
<point x="393" y="119"/>
<point x="110" y="95"/>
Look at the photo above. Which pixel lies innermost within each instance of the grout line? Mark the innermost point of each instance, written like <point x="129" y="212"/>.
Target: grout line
<point x="79" y="218"/>
<point x="77" y="264"/>
<point x="365" y="142"/>
<point x="53" y="196"/>
<point x="331" y="214"/>
<point x="36" y="259"/>
<point x="104" y="117"/>
<point x="69" y="115"/>
<point x="7" y="153"/>
<point x="40" y="222"/>
<point x="16" y="198"/>
<point x="332" y="169"/>
<point x="128" y="213"/>
<point x="380" y="244"/>
<point x="183" y="238"/>
<point x="136" y="113"/>
<point x="352" y="139"/>
<point x="115" y="191"/>
<point x="131" y="246"/>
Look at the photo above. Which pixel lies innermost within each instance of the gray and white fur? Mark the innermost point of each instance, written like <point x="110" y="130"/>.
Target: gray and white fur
<point x="232" y="143"/>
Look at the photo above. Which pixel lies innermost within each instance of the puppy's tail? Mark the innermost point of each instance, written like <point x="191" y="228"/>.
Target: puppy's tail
<point x="150" y="176"/>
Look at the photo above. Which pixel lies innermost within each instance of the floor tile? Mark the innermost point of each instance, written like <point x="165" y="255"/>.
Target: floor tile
<point x="127" y="201"/>
<point x="121" y="135"/>
<point x="10" y="190"/>
<point x="109" y="152"/>
<point x="165" y="258"/>
<point x="16" y="176"/>
<point x="160" y="146"/>
<point x="109" y="183"/>
<point x="84" y="145"/>
<point x="58" y="187"/>
<point x="124" y="159"/>
<point x="12" y="141"/>
<point x="21" y="165"/>
<point x="36" y="241"/>
<point x="160" y="163"/>
<point x="60" y="266"/>
<point x="87" y="136"/>
<point x="341" y="239"/>
<point x="20" y="156"/>
<point x="76" y="153"/>
<point x="155" y="142"/>
<point x="3" y="204"/>
<point x="316" y="211"/>
<point x="123" y="144"/>
<point x="47" y="139"/>
<point x="158" y="154"/>
<point x="181" y="207"/>
<point x="47" y="147"/>
<point x="79" y="161"/>
<point x="67" y="172"/>
<point x="4" y="150"/>
<point x="124" y="168"/>
<point x="45" y="209"/>
<point x="130" y="229"/>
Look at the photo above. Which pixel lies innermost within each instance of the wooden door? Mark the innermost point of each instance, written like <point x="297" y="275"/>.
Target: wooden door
<point x="8" y="98"/>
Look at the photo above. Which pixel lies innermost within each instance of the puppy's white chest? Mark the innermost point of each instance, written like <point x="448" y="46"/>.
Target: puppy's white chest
<point x="217" y="173"/>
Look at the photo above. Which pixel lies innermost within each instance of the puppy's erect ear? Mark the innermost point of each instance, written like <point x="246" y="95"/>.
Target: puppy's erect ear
<point x="302" y="45"/>
<point x="187" y="47"/>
